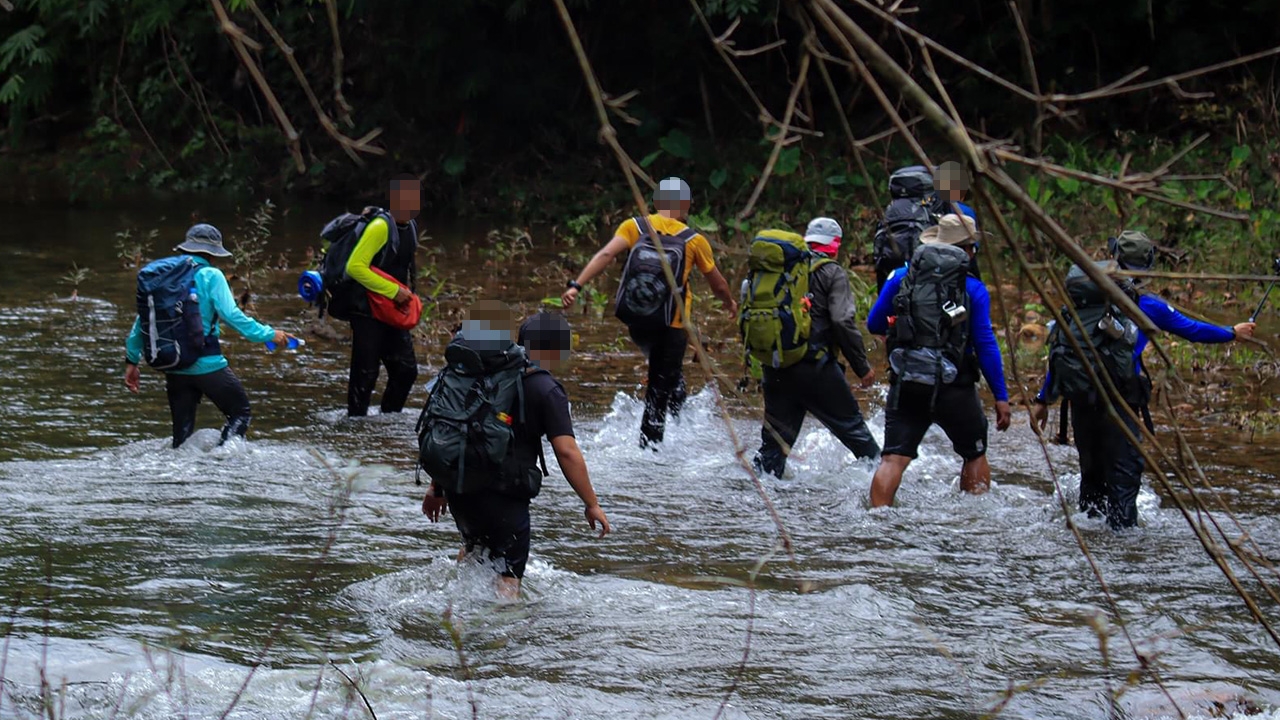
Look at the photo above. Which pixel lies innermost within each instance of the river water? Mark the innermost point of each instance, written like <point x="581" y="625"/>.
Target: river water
<point x="141" y="581"/>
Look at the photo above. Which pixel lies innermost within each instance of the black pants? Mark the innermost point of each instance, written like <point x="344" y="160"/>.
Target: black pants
<point x="664" y="348"/>
<point x="1110" y="466"/>
<point x="374" y="344"/>
<point x="497" y="525"/>
<point x="817" y="387"/>
<point x="222" y="387"/>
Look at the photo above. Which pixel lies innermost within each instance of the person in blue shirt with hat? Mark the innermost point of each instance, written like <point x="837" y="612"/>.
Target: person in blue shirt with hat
<point x="209" y="376"/>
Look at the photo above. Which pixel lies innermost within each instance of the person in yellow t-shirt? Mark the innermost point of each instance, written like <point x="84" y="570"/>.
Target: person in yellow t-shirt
<point x="654" y="314"/>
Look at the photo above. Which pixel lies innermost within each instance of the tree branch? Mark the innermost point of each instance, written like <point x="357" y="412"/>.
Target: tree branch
<point x="240" y="43"/>
<point x="351" y="147"/>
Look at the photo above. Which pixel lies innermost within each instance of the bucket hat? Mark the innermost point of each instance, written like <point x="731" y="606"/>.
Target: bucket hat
<point x="204" y="238"/>
<point x="951" y="230"/>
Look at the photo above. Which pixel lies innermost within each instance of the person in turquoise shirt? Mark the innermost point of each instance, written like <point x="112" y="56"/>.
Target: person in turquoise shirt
<point x="210" y="376"/>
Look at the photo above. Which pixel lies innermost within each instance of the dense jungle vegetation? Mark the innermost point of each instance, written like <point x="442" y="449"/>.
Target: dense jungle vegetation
<point x="485" y="99"/>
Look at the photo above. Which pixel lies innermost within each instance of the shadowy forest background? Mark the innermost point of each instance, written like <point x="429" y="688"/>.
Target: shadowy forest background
<point x="484" y="98"/>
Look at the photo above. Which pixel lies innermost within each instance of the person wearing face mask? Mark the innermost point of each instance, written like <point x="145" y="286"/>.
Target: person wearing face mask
<point x="488" y="491"/>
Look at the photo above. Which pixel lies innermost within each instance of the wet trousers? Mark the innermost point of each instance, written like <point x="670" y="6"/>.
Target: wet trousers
<point x="373" y="345"/>
<point x="664" y="348"/>
<point x="222" y="387"/>
<point x="1110" y="466"/>
<point x="816" y="387"/>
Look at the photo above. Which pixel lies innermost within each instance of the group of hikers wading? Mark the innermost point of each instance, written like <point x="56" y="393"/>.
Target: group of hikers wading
<point x="480" y="434"/>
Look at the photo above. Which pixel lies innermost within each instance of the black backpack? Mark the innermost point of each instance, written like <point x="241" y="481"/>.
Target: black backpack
<point x="914" y="206"/>
<point x="931" y="322"/>
<point x="340" y="237"/>
<point x="169" y="313"/>
<point x="1110" y="331"/>
<point x="644" y="299"/>
<point x="466" y="432"/>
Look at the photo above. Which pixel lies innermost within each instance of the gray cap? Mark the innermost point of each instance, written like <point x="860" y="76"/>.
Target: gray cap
<point x="823" y="231"/>
<point x="204" y="238"/>
<point x="673" y="189"/>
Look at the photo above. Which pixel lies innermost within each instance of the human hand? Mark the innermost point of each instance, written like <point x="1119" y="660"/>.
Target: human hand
<point x="1004" y="415"/>
<point x="1039" y="417"/>
<point x="868" y="380"/>
<point x="402" y="296"/>
<point x="132" y="378"/>
<point x="569" y="297"/>
<point x="733" y="308"/>
<point x="433" y="505"/>
<point x="1244" y="329"/>
<point x="280" y="338"/>
<point x="596" y="515"/>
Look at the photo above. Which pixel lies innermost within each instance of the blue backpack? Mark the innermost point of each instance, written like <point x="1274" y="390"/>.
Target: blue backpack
<point x="169" y="312"/>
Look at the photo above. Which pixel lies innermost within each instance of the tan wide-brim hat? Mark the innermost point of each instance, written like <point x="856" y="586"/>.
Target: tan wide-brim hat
<point x="952" y="230"/>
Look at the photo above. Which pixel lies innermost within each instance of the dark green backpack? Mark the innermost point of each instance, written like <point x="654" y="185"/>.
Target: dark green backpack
<point x="931" y="322"/>
<point x="1108" y="329"/>
<point x="466" y="432"/>
<point x="774" y="319"/>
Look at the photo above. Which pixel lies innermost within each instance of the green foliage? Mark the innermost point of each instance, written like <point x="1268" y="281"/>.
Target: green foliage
<point x="133" y="247"/>
<point x="251" y="246"/>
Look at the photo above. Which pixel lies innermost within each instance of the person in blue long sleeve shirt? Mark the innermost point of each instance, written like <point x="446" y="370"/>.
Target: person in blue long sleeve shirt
<point x="955" y="407"/>
<point x="1110" y="466"/>
<point x="210" y="376"/>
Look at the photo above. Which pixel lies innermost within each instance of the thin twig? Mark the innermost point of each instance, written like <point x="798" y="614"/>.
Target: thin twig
<point x="331" y="9"/>
<point x="1127" y="186"/>
<point x="241" y="44"/>
<point x="781" y="139"/>
<point x="356" y="687"/>
<point x="1118" y="88"/>
<point x="143" y="126"/>
<point x="1029" y="59"/>
<point x="351" y="147"/>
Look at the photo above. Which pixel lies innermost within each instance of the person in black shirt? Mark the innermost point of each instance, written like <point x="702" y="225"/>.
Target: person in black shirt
<point x="496" y="522"/>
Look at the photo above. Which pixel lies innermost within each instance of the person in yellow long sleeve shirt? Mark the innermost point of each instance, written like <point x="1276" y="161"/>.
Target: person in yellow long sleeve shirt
<point x="389" y="247"/>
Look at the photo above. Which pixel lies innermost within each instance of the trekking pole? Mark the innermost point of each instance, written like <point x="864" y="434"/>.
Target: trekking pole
<point x="1275" y="268"/>
<point x="1064" y="420"/>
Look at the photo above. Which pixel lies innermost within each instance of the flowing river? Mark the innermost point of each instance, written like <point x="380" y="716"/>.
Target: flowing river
<point x="140" y="581"/>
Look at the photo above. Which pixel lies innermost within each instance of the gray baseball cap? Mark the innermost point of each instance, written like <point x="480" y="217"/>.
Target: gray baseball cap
<point x="204" y="238"/>
<point x="672" y="189"/>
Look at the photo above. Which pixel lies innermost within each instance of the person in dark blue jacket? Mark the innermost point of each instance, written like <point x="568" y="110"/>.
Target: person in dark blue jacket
<point x="955" y="407"/>
<point x="1110" y="466"/>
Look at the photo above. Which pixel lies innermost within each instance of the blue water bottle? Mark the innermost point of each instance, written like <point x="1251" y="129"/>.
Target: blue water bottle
<point x="292" y="344"/>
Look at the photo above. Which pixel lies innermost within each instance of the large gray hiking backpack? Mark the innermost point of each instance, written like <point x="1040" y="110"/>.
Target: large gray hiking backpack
<point x="931" y="323"/>
<point x="1105" y="327"/>
<point x="466" y="432"/>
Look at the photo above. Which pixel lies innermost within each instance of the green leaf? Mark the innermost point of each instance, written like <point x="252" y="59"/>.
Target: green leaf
<point x="837" y="180"/>
<point x="1239" y="154"/>
<point x="1033" y="187"/>
<point x="718" y="177"/>
<point x="788" y="161"/>
<point x="553" y="302"/>
<point x="11" y="90"/>
<point x="1070" y="186"/>
<point x="1109" y="200"/>
<point x="647" y="160"/>
<point x="1244" y="199"/>
<point x="678" y="144"/>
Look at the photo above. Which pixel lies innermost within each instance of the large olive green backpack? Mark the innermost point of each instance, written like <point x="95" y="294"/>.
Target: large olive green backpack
<point x="774" y="316"/>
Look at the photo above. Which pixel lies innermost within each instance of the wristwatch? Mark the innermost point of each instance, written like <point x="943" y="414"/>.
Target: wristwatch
<point x="574" y="284"/>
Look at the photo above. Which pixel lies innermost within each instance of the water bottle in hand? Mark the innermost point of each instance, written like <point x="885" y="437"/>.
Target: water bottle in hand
<point x="292" y="344"/>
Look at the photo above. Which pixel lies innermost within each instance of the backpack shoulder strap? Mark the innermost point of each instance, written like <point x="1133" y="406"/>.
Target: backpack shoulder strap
<point x="642" y="224"/>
